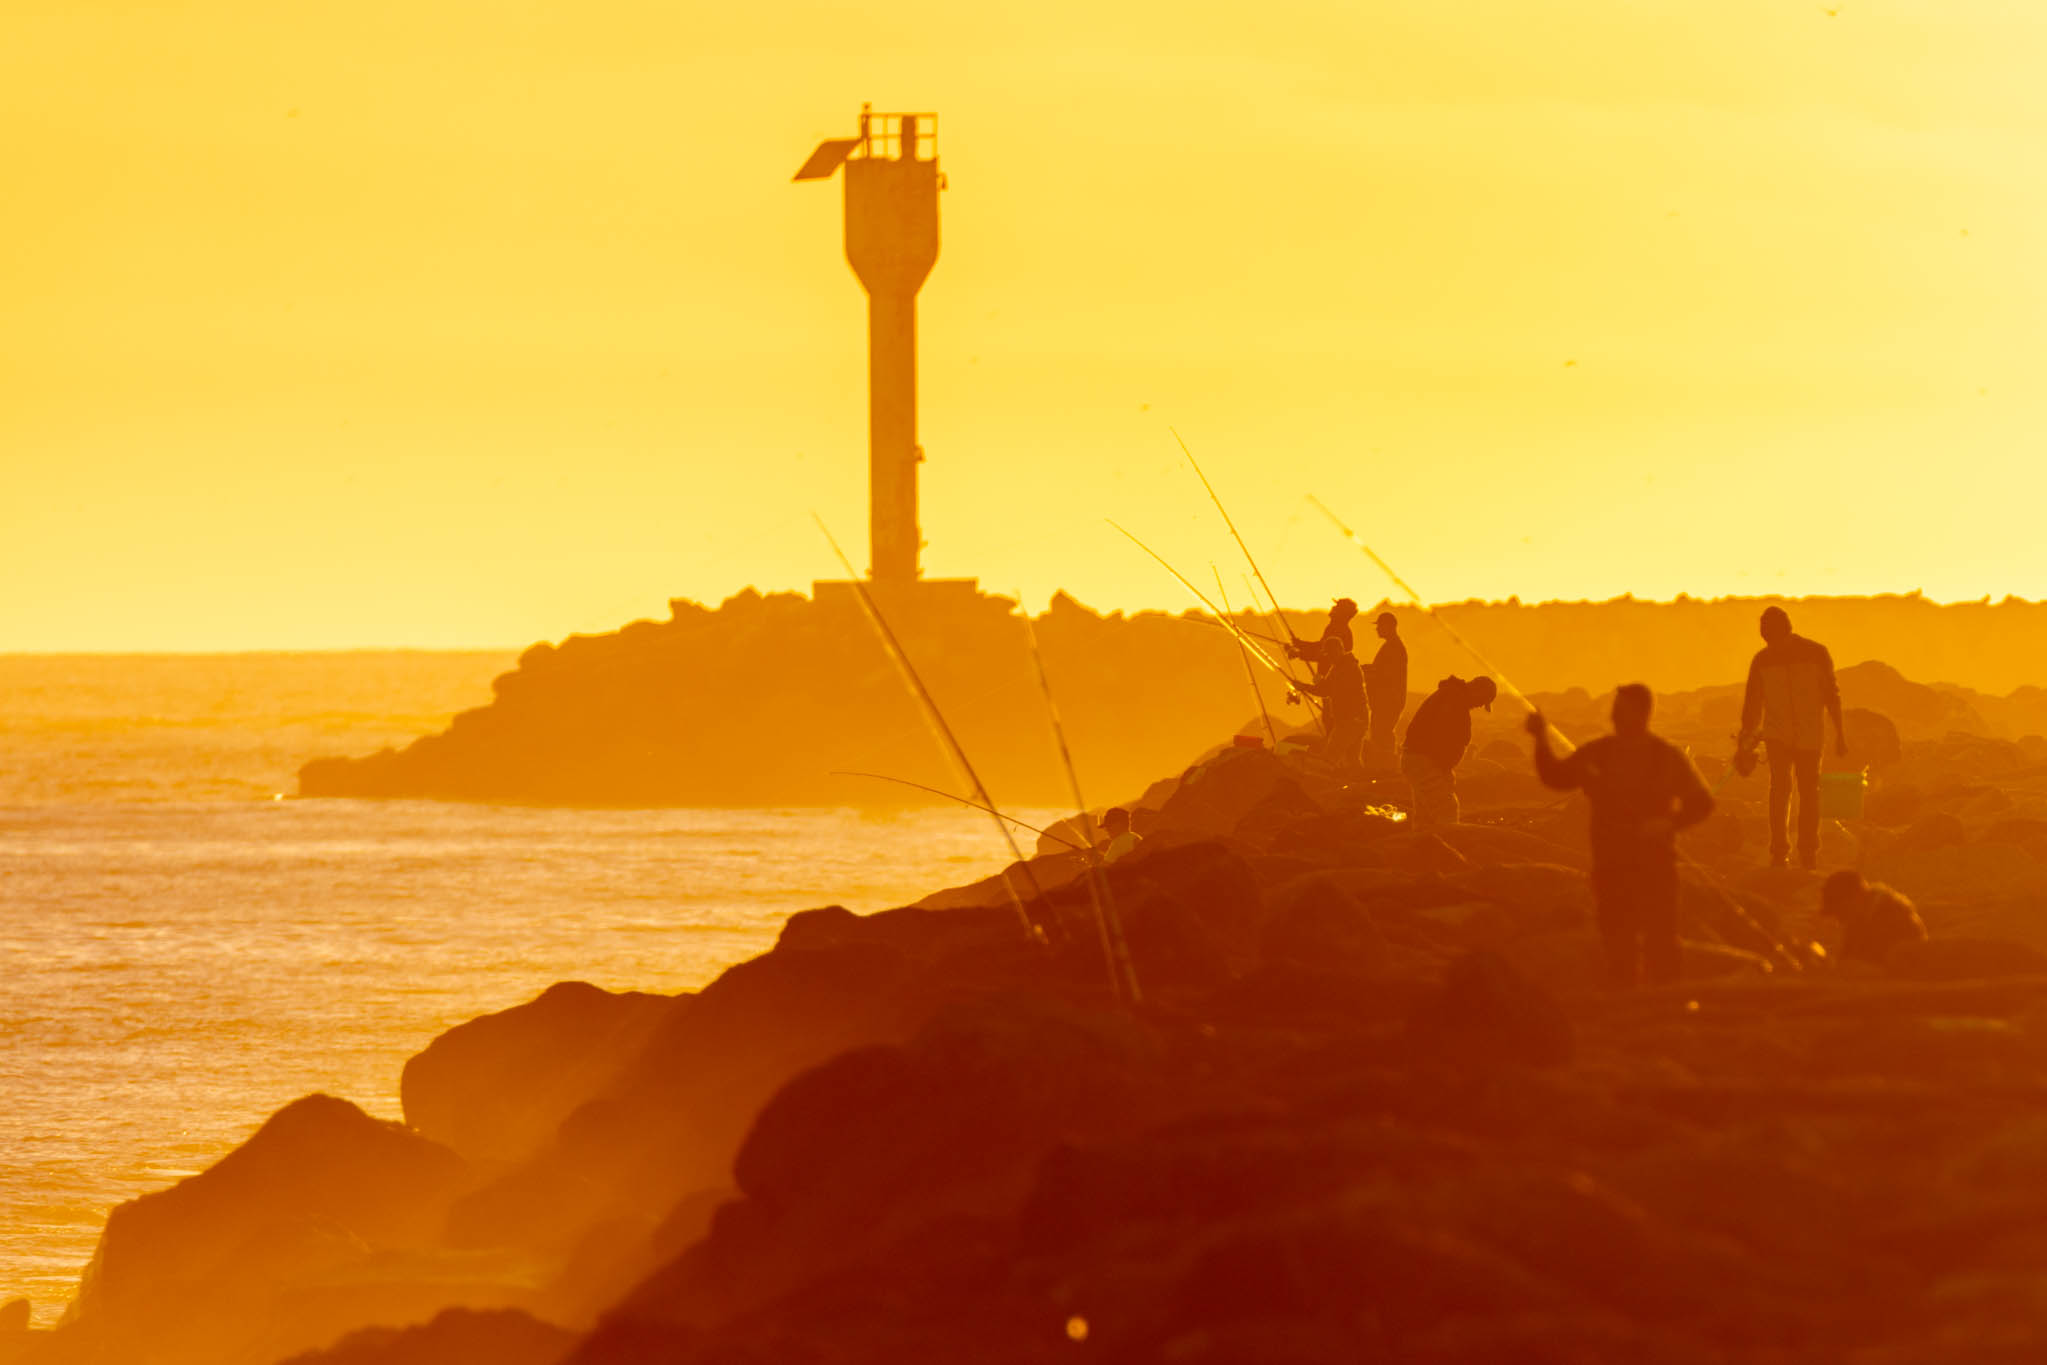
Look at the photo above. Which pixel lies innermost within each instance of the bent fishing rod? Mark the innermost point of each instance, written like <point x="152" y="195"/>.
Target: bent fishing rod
<point x="973" y="805"/>
<point x="1250" y="674"/>
<point x="1230" y="522"/>
<point x="948" y="741"/>
<point x="1220" y="619"/>
<point x="1115" y="950"/>
<point x="1741" y="913"/>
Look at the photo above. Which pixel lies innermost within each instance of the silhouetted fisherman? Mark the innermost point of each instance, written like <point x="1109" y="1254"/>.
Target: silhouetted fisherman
<point x="1119" y="841"/>
<point x="1874" y="918"/>
<point x="1341" y="685"/>
<point x="1436" y="740"/>
<point x="1386" y="689"/>
<point x="1337" y="627"/>
<point x="1791" y="686"/>
<point x="1643" y="791"/>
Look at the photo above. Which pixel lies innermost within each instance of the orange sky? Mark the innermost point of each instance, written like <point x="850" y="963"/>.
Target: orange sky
<point x="464" y="323"/>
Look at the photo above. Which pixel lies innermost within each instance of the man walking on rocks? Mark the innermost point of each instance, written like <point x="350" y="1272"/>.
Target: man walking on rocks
<point x="1436" y="740"/>
<point x="1643" y="791"/>
<point x="1790" y="684"/>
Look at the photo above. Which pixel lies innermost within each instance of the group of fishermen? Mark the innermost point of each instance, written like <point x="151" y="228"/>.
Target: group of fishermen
<point x="1642" y="789"/>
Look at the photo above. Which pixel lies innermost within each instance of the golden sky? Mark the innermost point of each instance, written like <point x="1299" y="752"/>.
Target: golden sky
<point x="390" y="322"/>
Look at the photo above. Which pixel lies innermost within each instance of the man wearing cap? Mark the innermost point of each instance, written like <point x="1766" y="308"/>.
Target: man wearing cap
<point x="1643" y="791"/>
<point x="1436" y="740"/>
<point x="1791" y="692"/>
<point x="1386" y="689"/>
<point x="1338" y="628"/>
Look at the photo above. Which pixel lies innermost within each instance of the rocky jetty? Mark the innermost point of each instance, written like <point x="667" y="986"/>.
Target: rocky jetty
<point x="1375" y="1103"/>
<point x="766" y="700"/>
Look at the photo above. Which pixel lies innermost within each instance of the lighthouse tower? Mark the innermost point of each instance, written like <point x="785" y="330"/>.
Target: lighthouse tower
<point x="892" y="185"/>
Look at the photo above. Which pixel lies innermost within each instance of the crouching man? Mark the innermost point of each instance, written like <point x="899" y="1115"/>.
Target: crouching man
<point x="1874" y="918"/>
<point x="1643" y="791"/>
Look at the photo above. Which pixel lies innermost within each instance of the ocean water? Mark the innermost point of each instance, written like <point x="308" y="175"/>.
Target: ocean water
<point x="183" y="949"/>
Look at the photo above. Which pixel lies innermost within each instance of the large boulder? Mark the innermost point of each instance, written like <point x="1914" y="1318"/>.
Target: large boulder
<point x="670" y="1121"/>
<point x="496" y="1088"/>
<point x="217" y="1266"/>
<point x="1214" y="797"/>
<point x="456" y="1337"/>
<point x="882" y="1141"/>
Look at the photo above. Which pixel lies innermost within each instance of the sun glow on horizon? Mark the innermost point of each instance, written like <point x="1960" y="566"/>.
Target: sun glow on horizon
<point x="459" y="327"/>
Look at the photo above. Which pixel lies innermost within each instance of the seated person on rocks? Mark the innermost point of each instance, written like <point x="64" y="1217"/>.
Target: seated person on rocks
<point x="1436" y="740"/>
<point x="1874" y="918"/>
<point x="1119" y="840"/>
<point x="1643" y="791"/>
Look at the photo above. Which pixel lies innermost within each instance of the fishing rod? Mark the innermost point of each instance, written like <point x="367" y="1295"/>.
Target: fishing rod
<point x="1469" y="648"/>
<point x="935" y="718"/>
<point x="1741" y="913"/>
<point x="1222" y="620"/>
<point x="1250" y="673"/>
<point x="1277" y="616"/>
<point x="1268" y="639"/>
<point x="1195" y="465"/>
<point x="975" y="805"/>
<point x="1115" y="952"/>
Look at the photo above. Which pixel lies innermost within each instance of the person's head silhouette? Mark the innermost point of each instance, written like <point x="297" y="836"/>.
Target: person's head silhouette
<point x="1343" y="610"/>
<point x="1776" y="625"/>
<point x="1387" y="625"/>
<point x="1480" y="691"/>
<point x="1632" y="704"/>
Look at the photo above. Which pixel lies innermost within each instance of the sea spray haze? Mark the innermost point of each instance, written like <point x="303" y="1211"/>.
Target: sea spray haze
<point x="184" y="954"/>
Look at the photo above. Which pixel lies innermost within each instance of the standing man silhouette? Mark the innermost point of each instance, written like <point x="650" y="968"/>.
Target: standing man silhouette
<point x="1643" y="791"/>
<point x="1386" y="689"/>
<point x="1791" y="690"/>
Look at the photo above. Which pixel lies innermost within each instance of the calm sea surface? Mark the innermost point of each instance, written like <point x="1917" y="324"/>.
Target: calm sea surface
<point x="182" y="952"/>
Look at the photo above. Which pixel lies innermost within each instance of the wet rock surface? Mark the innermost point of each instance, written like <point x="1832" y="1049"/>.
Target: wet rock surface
<point x="1375" y="1102"/>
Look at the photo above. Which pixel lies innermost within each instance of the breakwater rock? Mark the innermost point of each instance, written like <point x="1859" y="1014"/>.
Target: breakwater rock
<point x="1375" y="1103"/>
<point x="766" y="700"/>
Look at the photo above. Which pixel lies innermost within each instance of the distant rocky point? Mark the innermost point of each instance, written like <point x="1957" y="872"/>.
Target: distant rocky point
<point x="764" y="700"/>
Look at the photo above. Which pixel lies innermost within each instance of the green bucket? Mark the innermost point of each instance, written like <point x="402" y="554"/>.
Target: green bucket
<point x="1841" y="795"/>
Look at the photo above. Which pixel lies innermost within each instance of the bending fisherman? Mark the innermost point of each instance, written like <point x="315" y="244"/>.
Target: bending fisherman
<point x="1436" y="740"/>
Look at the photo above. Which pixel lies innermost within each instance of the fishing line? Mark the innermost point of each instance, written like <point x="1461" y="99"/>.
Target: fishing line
<point x="1250" y="673"/>
<point x="1740" y="911"/>
<point x="974" y="805"/>
<point x="1195" y="465"/>
<point x="947" y="740"/>
<point x="1221" y="620"/>
<point x="1115" y="952"/>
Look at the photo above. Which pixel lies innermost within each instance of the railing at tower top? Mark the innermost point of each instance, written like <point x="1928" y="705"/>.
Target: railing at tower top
<point x="881" y="136"/>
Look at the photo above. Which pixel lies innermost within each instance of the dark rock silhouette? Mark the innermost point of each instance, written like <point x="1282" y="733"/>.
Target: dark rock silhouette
<point x="215" y="1267"/>
<point x="761" y="700"/>
<point x="496" y="1089"/>
<point x="1377" y="1104"/>
<point x="456" y="1337"/>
